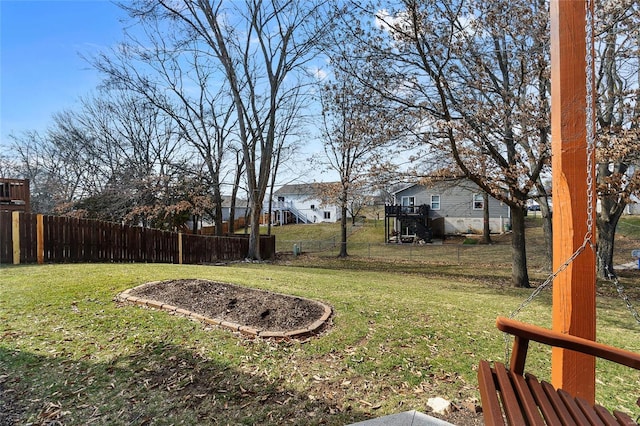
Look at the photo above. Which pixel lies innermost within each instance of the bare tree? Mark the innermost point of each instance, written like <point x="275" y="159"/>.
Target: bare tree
<point x="474" y="72"/>
<point x="112" y="156"/>
<point x="359" y="127"/>
<point x="53" y="171"/>
<point x="618" y="117"/>
<point x="261" y="48"/>
<point x="132" y="152"/>
<point x="174" y="75"/>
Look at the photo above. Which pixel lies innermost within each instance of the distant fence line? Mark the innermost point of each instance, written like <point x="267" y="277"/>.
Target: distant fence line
<point x="36" y="238"/>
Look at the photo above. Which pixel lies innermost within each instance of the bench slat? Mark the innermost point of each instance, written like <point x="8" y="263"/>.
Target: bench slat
<point x="575" y="410"/>
<point x="605" y="415"/>
<point x="491" y="410"/>
<point x="509" y="400"/>
<point x="541" y="398"/>
<point x="527" y="401"/>
<point x="624" y="419"/>
<point x="561" y="410"/>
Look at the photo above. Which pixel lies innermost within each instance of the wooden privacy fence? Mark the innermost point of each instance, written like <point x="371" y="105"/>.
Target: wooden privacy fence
<point x="31" y="238"/>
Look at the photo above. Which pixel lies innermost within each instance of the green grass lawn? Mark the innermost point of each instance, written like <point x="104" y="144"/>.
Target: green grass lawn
<point x="402" y="332"/>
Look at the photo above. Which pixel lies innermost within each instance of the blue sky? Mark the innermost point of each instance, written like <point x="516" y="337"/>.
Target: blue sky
<point x="41" y="68"/>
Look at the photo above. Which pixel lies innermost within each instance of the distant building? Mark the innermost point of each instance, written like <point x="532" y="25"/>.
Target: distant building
<point x="14" y="195"/>
<point x="241" y="208"/>
<point x="206" y="226"/>
<point x="633" y="208"/>
<point x="444" y="207"/>
<point x="301" y="203"/>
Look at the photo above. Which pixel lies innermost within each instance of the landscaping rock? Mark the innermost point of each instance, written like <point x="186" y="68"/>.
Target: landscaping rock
<point x="439" y="405"/>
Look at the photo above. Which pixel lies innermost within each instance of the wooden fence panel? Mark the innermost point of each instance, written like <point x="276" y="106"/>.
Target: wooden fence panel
<point x="81" y="240"/>
<point x="28" y="224"/>
<point x="268" y="246"/>
<point x="6" y="242"/>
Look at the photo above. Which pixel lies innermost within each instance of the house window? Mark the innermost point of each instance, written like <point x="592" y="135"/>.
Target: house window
<point x="327" y="215"/>
<point x="313" y="206"/>
<point x="435" y="202"/>
<point x="478" y="201"/>
<point x="408" y="201"/>
<point x="407" y="204"/>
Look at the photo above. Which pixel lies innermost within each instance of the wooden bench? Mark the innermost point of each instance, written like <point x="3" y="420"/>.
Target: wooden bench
<point x="511" y="397"/>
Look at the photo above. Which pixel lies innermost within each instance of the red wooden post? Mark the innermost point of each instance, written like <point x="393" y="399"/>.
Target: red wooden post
<point x="574" y="288"/>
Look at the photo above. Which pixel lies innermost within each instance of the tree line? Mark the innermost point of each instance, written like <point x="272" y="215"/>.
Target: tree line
<point x="210" y="99"/>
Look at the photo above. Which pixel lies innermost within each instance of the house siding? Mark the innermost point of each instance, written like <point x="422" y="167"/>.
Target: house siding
<point x="456" y="213"/>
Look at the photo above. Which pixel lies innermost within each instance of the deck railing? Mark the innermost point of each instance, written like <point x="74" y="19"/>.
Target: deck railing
<point x="14" y="194"/>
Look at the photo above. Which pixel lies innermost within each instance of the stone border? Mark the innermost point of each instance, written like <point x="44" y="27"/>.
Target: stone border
<point x="125" y="297"/>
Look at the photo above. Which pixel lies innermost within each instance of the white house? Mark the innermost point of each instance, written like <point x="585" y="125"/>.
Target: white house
<point x="301" y="203"/>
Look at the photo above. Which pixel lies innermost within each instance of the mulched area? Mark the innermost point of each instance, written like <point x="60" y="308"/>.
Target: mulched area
<point x="259" y="309"/>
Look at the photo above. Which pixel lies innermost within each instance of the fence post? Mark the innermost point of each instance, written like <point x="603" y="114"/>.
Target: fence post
<point x="180" y="248"/>
<point x="40" y="238"/>
<point x="15" y="236"/>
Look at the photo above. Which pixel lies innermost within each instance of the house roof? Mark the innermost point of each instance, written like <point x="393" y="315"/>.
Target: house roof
<point x="240" y="203"/>
<point x="404" y="188"/>
<point x="301" y="188"/>
<point x="429" y="181"/>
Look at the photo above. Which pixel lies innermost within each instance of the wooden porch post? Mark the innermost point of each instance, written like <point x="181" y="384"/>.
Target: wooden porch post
<point x="15" y="236"/>
<point x="574" y="288"/>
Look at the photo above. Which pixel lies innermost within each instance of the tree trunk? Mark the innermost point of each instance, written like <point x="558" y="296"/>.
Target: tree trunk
<point x="519" y="274"/>
<point x="234" y="195"/>
<point x="254" y="235"/>
<point x="232" y="216"/>
<point x="195" y="218"/>
<point x="270" y="211"/>
<point x="606" y="223"/>
<point x="343" y="232"/>
<point x="604" y="252"/>
<point x="217" y="219"/>
<point x="486" y="229"/>
<point x="547" y="229"/>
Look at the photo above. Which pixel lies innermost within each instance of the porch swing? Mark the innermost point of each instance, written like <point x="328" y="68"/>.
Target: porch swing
<point x="509" y="395"/>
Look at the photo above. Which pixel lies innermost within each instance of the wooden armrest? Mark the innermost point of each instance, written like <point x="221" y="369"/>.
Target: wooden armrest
<point x="525" y="332"/>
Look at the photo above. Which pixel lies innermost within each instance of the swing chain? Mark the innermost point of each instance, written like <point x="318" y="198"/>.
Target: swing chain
<point x="623" y="295"/>
<point x="586" y="243"/>
<point x="590" y="110"/>
<point x="547" y="283"/>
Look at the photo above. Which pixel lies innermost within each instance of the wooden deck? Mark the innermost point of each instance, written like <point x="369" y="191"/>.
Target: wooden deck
<point x="14" y="195"/>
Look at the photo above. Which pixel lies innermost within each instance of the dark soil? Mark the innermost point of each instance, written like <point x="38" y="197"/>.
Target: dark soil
<point x="259" y="309"/>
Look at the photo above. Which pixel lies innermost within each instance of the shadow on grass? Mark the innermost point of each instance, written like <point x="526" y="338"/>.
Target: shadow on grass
<point x="158" y="384"/>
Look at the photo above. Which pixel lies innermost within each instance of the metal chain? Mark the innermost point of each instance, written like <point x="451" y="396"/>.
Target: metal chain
<point x="623" y="295"/>
<point x="590" y="111"/>
<point x="547" y="283"/>
<point x="586" y="243"/>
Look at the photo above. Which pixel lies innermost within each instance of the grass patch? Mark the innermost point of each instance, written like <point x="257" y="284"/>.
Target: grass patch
<point x="68" y="353"/>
